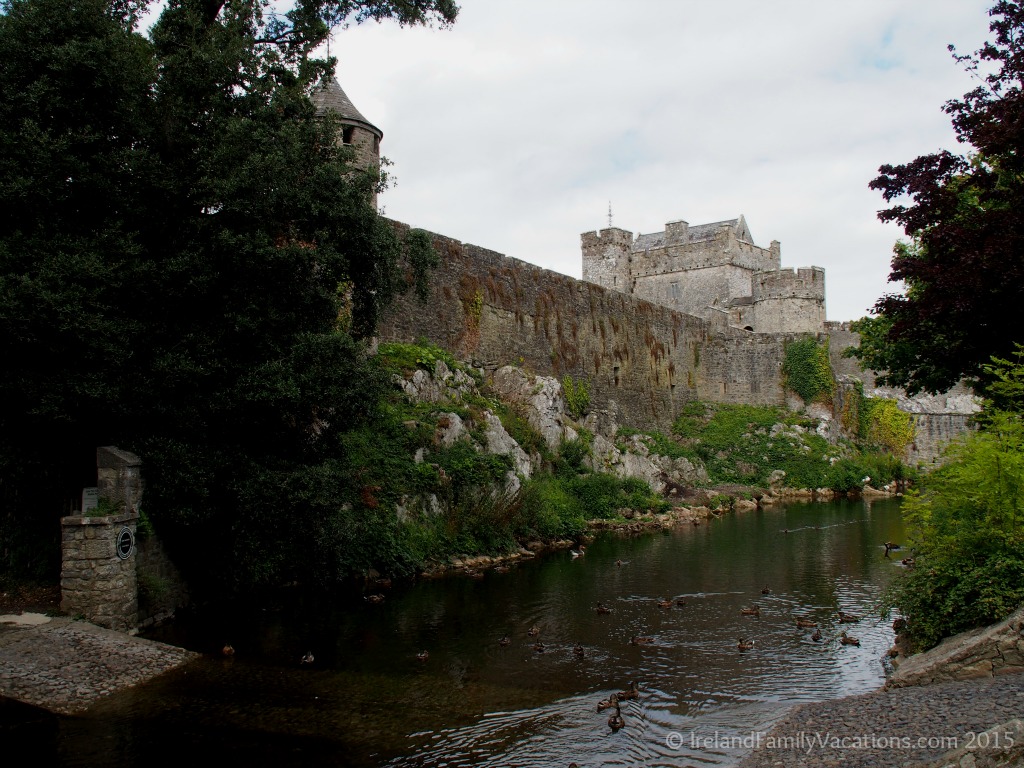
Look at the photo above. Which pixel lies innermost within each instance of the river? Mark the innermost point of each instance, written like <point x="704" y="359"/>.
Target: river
<point x="368" y="699"/>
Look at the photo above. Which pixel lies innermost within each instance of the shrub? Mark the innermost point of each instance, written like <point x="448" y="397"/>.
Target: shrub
<point x="966" y="524"/>
<point x="577" y="396"/>
<point x="808" y="370"/>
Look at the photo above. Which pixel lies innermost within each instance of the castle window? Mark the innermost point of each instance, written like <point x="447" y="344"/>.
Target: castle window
<point x="376" y="145"/>
<point x="347" y="133"/>
<point x="673" y="291"/>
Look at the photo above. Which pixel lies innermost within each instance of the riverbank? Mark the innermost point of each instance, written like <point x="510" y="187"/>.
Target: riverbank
<point x="923" y="726"/>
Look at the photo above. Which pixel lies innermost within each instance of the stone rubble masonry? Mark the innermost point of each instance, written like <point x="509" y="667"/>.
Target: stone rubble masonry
<point x="98" y="585"/>
<point x="642" y="361"/>
<point x="119" y="477"/>
<point x="987" y="652"/>
<point x="95" y="583"/>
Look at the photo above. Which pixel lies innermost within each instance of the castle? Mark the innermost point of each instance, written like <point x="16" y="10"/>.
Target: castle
<point x="707" y="269"/>
<point x="659" y="320"/>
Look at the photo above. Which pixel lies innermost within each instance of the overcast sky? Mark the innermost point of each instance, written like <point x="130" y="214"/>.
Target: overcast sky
<point x="515" y="128"/>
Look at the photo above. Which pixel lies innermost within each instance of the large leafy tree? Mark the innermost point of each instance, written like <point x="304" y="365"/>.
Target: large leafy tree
<point x="964" y="215"/>
<point x="179" y="235"/>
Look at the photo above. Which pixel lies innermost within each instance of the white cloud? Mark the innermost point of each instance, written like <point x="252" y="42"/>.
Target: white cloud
<point x="514" y="128"/>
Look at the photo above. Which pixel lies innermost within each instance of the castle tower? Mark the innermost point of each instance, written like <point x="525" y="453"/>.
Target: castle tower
<point x="606" y="258"/>
<point x="789" y="301"/>
<point x="356" y="131"/>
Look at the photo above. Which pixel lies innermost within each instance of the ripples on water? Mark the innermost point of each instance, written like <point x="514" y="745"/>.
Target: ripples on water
<point x="369" y="702"/>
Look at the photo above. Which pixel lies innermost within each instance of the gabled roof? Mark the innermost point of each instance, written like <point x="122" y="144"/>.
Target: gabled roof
<point x="329" y="97"/>
<point x="695" y="234"/>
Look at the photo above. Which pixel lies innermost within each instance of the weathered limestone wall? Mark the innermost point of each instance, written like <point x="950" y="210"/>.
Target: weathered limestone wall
<point x="694" y="292"/>
<point x="606" y="256"/>
<point x="95" y="582"/>
<point x="987" y="652"/>
<point x="643" y="361"/>
<point x="113" y="579"/>
<point x="933" y="432"/>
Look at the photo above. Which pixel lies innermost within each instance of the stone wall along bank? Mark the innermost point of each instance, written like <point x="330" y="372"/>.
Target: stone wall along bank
<point x="643" y="362"/>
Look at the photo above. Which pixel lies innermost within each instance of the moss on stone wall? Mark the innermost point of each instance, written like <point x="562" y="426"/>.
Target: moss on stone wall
<point x="808" y="370"/>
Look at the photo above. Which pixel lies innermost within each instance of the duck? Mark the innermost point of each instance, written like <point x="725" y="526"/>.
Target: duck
<point x="806" y="623"/>
<point x="619" y="562"/>
<point x="765" y="590"/>
<point x="578" y="651"/>
<point x="816" y="637"/>
<point x="632" y="692"/>
<point x="665" y="603"/>
<point x="533" y="631"/>
<point x="307" y="659"/>
<point x="502" y="569"/>
<point x="744" y="645"/>
<point x="474" y="573"/>
<point x="908" y="562"/>
<point x="680" y="601"/>
<point x="578" y="552"/>
<point x="539" y="648"/>
<point x="227" y="650"/>
<point x="847" y="640"/>
<point x="504" y="640"/>
<point x="375" y="599"/>
<point x="755" y="611"/>
<point x="848" y="618"/>
<point x="422" y="655"/>
<point x="638" y="640"/>
<point x="602" y="608"/>
<point x="615" y="722"/>
<point x="611" y="701"/>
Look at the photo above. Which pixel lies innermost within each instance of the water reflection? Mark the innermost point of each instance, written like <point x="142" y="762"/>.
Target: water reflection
<point x="368" y="700"/>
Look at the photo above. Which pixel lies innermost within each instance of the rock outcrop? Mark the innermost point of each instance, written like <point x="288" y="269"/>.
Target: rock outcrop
<point x="987" y="652"/>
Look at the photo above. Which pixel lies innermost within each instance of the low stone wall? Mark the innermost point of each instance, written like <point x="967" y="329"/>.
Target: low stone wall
<point x="96" y="582"/>
<point x="986" y="652"/>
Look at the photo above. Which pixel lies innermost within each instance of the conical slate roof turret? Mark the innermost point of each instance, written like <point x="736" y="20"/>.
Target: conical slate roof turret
<point x="329" y="97"/>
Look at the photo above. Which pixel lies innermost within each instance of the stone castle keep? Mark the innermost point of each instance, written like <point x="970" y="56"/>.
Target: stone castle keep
<point x="707" y="269"/>
<point x="659" y="320"/>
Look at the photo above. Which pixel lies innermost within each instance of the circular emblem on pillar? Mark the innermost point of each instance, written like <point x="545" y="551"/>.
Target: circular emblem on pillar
<point x="125" y="543"/>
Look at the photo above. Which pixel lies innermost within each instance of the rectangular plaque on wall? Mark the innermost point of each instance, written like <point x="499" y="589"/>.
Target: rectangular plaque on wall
<point x="90" y="499"/>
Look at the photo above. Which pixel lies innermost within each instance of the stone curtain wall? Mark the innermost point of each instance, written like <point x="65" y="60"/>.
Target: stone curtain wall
<point x="642" y="361"/>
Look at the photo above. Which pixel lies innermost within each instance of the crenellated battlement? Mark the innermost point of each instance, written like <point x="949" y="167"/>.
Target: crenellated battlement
<point x="709" y="268"/>
<point x="802" y="283"/>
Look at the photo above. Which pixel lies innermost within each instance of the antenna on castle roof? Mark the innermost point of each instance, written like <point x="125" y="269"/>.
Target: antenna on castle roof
<point x="609" y="214"/>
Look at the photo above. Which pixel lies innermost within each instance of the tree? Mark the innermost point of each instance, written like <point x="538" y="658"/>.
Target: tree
<point x="962" y="268"/>
<point x="966" y="520"/>
<point x="179" y="230"/>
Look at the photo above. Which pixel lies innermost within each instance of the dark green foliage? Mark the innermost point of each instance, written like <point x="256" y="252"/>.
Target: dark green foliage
<point x="964" y="217"/>
<point x="423" y="258"/>
<point x="968" y="527"/>
<point x="176" y="226"/>
<point x="736" y="445"/>
<point x="808" y="370"/>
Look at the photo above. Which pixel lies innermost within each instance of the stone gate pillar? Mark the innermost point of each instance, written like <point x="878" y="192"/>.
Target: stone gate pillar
<point x="98" y="579"/>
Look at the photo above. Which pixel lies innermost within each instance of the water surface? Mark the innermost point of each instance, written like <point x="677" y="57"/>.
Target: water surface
<point x="369" y="701"/>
